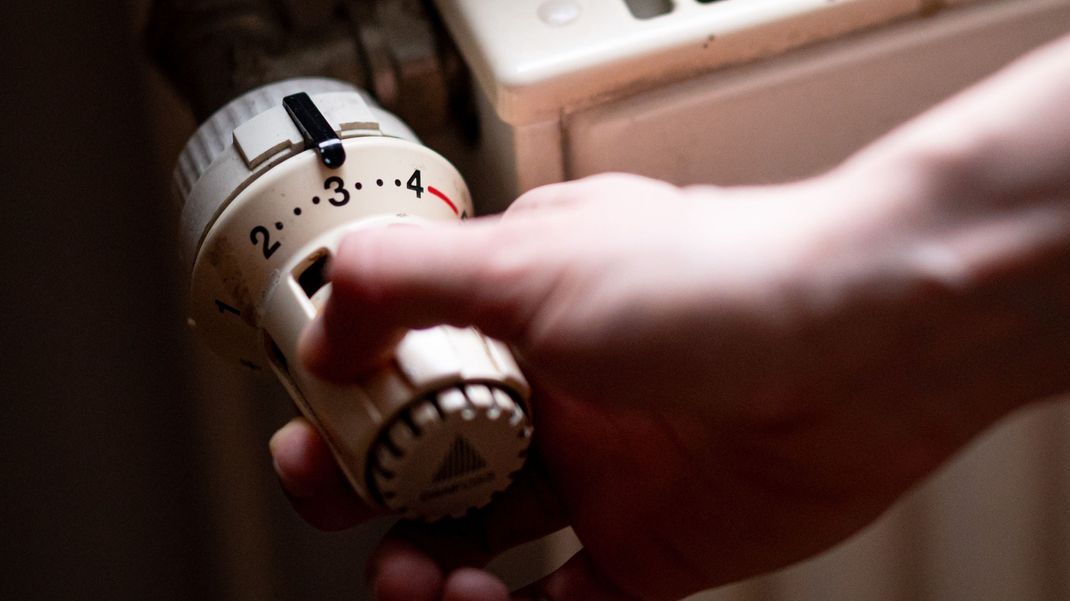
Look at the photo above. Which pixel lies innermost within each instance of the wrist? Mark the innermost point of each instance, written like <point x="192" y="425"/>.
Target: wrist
<point x="957" y="299"/>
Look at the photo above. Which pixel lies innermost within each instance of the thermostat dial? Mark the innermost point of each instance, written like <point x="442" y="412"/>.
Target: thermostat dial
<point x="270" y="190"/>
<point x="267" y="226"/>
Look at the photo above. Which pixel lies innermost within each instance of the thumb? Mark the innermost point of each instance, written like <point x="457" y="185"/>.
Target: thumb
<point x="388" y="280"/>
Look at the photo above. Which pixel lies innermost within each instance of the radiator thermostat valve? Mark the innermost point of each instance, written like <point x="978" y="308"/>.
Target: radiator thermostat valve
<point x="269" y="186"/>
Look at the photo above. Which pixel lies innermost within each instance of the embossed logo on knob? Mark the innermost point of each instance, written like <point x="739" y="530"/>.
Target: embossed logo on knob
<point x="462" y="459"/>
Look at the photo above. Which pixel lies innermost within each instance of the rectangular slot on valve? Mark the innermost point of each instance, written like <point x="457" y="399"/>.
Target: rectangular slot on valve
<point x="648" y="9"/>
<point x="313" y="275"/>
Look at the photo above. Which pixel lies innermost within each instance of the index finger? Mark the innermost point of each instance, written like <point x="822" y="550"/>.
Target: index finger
<point x="389" y="280"/>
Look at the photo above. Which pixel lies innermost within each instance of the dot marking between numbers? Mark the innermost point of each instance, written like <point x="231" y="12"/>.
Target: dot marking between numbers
<point x="379" y="183"/>
<point x="315" y="200"/>
<point x="278" y="225"/>
<point x="359" y="186"/>
<point x="297" y="211"/>
<point x="397" y="183"/>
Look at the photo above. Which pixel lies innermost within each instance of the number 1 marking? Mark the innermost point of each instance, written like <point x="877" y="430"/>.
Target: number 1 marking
<point x="225" y="308"/>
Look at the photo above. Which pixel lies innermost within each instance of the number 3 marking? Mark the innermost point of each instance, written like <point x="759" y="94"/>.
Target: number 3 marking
<point x="339" y="188"/>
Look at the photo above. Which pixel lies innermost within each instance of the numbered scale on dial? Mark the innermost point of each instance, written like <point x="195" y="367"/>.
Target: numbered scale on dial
<point x="271" y="185"/>
<point x="300" y="201"/>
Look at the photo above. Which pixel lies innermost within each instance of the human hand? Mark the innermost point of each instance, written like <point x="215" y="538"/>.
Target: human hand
<point x="726" y="380"/>
<point x="689" y="350"/>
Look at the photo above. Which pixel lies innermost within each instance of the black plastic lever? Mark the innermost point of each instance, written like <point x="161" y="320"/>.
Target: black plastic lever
<point x="315" y="130"/>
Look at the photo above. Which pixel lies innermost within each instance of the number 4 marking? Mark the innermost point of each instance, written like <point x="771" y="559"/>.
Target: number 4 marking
<point x="414" y="184"/>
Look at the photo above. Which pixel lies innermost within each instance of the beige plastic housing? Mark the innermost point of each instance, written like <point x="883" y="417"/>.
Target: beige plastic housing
<point x="730" y="92"/>
<point x="534" y="57"/>
<point x="441" y="429"/>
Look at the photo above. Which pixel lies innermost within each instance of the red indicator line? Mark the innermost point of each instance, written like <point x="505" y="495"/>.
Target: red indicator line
<point x="444" y="198"/>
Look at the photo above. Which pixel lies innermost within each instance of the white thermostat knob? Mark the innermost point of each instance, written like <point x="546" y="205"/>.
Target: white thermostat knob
<point x="456" y="446"/>
<point x="269" y="186"/>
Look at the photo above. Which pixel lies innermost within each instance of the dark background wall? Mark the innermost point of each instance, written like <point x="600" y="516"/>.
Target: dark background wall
<point x="121" y="476"/>
<point x="100" y="498"/>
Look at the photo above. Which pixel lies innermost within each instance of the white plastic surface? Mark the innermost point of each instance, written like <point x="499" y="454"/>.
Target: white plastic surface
<point x="214" y="135"/>
<point x="232" y="270"/>
<point x="532" y="59"/>
<point x="804" y="112"/>
<point x="279" y="211"/>
<point x="450" y="452"/>
<point x="772" y="120"/>
<point x="253" y="133"/>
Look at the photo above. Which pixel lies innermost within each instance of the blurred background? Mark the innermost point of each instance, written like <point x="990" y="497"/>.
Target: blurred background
<point x="135" y="465"/>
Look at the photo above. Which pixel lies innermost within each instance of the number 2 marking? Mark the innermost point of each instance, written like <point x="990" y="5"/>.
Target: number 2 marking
<point x="269" y="247"/>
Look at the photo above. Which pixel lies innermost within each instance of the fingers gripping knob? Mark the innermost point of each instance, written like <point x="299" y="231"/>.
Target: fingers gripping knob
<point x="450" y="451"/>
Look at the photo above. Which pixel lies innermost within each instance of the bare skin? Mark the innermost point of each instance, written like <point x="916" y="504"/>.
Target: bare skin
<point x="727" y="381"/>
